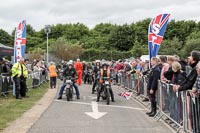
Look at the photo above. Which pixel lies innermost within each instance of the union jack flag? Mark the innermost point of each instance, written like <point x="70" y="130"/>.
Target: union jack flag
<point x="126" y="95"/>
<point x="20" y="40"/>
<point x="156" y="32"/>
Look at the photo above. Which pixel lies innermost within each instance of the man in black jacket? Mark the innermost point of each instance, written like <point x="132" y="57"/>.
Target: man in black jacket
<point x="153" y="85"/>
<point x="191" y="78"/>
<point x="69" y="71"/>
<point x="96" y="72"/>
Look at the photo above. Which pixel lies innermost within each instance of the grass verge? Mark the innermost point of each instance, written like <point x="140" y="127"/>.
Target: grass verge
<point x="10" y="108"/>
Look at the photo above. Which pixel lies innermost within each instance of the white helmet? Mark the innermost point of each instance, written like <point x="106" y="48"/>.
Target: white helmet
<point x="98" y="61"/>
<point x="70" y="63"/>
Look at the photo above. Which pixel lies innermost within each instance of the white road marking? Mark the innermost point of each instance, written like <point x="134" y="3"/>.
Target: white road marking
<point x="111" y="106"/>
<point x="84" y="98"/>
<point x="92" y="97"/>
<point x="95" y="114"/>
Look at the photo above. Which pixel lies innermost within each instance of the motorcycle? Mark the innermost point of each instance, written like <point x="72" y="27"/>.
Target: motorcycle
<point x="90" y="76"/>
<point x="69" y="87"/>
<point x="106" y="90"/>
<point x="60" y="74"/>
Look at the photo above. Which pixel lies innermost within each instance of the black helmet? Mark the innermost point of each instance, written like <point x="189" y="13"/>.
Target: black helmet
<point x="104" y="64"/>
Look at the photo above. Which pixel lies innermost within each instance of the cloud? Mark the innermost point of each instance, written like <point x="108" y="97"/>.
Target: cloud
<point x="91" y="12"/>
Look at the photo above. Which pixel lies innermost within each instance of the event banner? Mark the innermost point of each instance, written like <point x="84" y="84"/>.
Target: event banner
<point x="20" y="41"/>
<point x="156" y="32"/>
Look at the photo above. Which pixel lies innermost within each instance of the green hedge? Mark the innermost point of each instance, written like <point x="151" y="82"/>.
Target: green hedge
<point x="93" y="54"/>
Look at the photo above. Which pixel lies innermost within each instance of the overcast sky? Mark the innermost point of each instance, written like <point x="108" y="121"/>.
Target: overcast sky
<point x="39" y="13"/>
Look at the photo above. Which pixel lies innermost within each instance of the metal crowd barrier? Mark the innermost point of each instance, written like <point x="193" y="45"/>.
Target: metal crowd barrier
<point x="191" y="112"/>
<point x="181" y="108"/>
<point x="34" y="80"/>
<point x="132" y="82"/>
<point x="169" y="104"/>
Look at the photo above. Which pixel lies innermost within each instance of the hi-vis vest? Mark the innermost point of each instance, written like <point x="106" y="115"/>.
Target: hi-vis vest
<point x="108" y="75"/>
<point x="16" y="70"/>
<point x="52" y="71"/>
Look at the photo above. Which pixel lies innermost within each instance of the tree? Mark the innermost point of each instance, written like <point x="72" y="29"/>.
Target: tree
<point x="190" y="46"/>
<point x="5" y="38"/>
<point x="139" y="49"/>
<point x="29" y="30"/>
<point x="64" y="50"/>
<point x="170" y="47"/>
<point x="121" y="38"/>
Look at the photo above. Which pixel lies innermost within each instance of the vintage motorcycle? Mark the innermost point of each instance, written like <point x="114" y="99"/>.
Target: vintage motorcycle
<point x="106" y="90"/>
<point x="69" y="87"/>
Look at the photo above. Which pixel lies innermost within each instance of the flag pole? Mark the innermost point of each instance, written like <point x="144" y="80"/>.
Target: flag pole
<point x="14" y="60"/>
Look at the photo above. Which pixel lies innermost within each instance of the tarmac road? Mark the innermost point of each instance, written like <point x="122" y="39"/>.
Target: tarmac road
<point x="88" y="116"/>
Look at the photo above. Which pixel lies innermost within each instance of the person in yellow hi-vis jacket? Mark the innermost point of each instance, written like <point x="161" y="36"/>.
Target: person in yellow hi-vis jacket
<point x="19" y="74"/>
<point x="23" y="86"/>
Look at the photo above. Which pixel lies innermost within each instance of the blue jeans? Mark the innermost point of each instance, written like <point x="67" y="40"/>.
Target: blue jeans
<point x="63" y="87"/>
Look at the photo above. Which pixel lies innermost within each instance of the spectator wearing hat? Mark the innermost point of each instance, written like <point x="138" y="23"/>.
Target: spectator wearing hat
<point x="5" y="68"/>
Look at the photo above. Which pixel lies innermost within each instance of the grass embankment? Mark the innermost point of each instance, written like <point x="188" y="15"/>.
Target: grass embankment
<point x="11" y="108"/>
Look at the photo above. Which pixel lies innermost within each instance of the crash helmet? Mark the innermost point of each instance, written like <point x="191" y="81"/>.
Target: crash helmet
<point x="70" y="63"/>
<point x="104" y="64"/>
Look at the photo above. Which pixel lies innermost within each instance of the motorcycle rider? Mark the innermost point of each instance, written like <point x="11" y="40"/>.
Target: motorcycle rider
<point x="105" y="72"/>
<point x="96" y="72"/>
<point x="69" y="71"/>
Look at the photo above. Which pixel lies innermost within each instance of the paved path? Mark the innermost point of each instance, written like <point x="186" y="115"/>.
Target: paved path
<point x="123" y="116"/>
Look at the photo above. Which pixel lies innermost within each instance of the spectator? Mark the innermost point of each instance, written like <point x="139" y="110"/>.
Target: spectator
<point x="168" y="74"/>
<point x="165" y="67"/>
<point x="6" y="68"/>
<point x="1" y="61"/>
<point x="36" y="75"/>
<point x="119" y="69"/>
<point x="191" y="78"/>
<point x="153" y="85"/>
<point x="196" y="87"/>
<point x="177" y="78"/>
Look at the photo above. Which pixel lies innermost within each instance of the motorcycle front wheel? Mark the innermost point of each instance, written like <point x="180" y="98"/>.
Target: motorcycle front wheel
<point x="68" y="94"/>
<point x="107" y="95"/>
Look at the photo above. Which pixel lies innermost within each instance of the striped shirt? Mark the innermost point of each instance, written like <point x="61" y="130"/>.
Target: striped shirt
<point x="197" y="83"/>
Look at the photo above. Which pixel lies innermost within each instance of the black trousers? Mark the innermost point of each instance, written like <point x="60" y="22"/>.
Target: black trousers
<point x="23" y="87"/>
<point x="152" y="98"/>
<point x="17" y="86"/>
<point x="94" y="84"/>
<point x="52" y="82"/>
<point x="100" y="91"/>
<point x="86" y="78"/>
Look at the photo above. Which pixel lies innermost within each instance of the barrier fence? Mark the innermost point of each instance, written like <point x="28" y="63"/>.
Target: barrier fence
<point x="181" y="109"/>
<point x="34" y="80"/>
